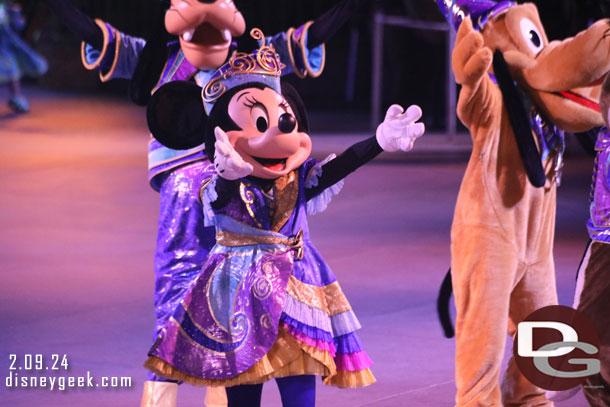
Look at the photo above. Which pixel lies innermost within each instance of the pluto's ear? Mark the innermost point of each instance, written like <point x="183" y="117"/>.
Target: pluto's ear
<point x="175" y="115"/>
<point x="519" y="119"/>
<point x="298" y="106"/>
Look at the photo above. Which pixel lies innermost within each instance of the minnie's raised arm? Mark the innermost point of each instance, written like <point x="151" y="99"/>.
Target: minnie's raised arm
<point x="398" y="131"/>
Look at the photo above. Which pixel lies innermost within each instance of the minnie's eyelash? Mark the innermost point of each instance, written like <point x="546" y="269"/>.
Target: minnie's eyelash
<point x="251" y="101"/>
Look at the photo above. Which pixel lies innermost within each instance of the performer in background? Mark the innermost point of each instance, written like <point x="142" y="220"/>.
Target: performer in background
<point x="17" y="59"/>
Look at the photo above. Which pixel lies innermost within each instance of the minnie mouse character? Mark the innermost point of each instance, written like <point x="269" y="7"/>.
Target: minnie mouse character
<point x="265" y="305"/>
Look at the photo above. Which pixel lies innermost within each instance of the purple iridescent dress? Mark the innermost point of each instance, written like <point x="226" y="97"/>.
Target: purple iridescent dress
<point x="265" y="304"/>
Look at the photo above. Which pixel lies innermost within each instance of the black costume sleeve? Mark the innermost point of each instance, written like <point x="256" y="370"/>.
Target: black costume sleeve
<point x="81" y="25"/>
<point x="224" y="189"/>
<point x="349" y="161"/>
<point x="325" y="26"/>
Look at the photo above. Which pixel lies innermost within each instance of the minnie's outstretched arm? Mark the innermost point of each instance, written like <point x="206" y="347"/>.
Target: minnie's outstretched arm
<point x="397" y="132"/>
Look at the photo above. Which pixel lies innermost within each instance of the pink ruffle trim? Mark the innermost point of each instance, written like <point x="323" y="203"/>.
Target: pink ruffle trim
<point x="317" y="343"/>
<point x="353" y="361"/>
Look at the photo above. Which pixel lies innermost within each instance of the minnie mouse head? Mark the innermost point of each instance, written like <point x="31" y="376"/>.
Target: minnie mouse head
<point x="258" y="125"/>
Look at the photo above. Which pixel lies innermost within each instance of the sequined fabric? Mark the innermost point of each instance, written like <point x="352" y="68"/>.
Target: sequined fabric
<point x="249" y="297"/>
<point x="551" y="141"/>
<point x="183" y="243"/>
<point x="599" y="221"/>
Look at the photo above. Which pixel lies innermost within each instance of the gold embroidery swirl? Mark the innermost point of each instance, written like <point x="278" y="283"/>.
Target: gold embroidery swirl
<point x="213" y="90"/>
<point x="248" y="198"/>
<point x="262" y="288"/>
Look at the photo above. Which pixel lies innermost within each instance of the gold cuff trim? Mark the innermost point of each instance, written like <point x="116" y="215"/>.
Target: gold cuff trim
<point x="329" y="298"/>
<point x="83" y="45"/>
<point x="117" y="44"/>
<point x="302" y="45"/>
<point x="295" y="68"/>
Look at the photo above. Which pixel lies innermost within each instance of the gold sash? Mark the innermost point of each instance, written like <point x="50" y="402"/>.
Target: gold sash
<point x="238" y="239"/>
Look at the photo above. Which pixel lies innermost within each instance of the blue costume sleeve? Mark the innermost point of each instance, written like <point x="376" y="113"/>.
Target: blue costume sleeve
<point x="117" y="58"/>
<point x="207" y="195"/>
<point x="291" y="46"/>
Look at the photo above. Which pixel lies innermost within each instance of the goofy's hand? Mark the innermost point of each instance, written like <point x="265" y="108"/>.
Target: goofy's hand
<point x="227" y="161"/>
<point x="325" y="26"/>
<point x="399" y="130"/>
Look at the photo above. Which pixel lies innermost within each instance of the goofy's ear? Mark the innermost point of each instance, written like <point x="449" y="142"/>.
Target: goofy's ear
<point x="298" y="106"/>
<point x="175" y="115"/>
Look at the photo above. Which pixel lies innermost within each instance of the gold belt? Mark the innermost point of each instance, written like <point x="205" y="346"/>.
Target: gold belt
<point x="237" y="239"/>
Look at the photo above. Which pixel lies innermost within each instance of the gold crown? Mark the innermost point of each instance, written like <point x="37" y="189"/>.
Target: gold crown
<point x="264" y="62"/>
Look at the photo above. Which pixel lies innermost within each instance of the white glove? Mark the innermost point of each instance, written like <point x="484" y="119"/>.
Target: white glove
<point x="399" y="130"/>
<point x="227" y="161"/>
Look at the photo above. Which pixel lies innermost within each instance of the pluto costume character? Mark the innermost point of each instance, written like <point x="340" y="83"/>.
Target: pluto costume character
<point x="503" y="227"/>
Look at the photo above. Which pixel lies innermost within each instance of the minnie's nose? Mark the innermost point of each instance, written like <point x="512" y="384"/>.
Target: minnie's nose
<point x="287" y="123"/>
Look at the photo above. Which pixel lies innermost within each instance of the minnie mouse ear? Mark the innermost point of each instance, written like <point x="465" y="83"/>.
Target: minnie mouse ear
<point x="175" y="115"/>
<point x="298" y="106"/>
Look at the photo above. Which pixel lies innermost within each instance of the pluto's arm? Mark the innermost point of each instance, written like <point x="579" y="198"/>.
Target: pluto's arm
<point x="480" y="100"/>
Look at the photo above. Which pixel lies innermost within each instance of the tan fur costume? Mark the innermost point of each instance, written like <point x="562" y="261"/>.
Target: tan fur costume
<point x="503" y="228"/>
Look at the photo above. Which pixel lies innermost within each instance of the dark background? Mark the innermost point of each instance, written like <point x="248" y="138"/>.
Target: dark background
<point x="414" y="60"/>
